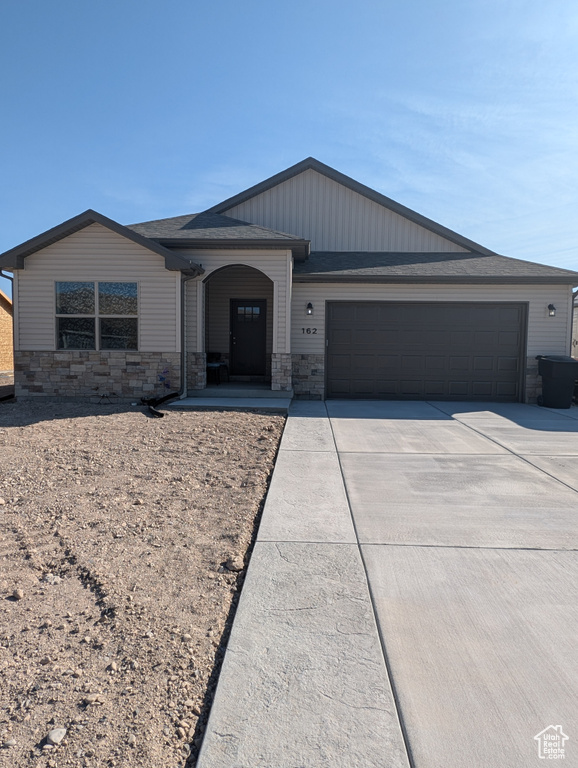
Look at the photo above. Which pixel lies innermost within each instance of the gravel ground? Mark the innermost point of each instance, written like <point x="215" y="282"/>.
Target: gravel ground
<point x="115" y="594"/>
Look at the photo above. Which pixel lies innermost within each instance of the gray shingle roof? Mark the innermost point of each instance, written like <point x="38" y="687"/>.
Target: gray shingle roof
<point x="208" y="226"/>
<point x="326" y="266"/>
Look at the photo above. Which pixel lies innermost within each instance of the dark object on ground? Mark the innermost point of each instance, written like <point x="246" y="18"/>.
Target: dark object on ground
<point x="152" y="402"/>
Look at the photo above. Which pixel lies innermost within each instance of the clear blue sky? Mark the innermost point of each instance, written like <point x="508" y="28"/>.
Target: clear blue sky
<point x="464" y="110"/>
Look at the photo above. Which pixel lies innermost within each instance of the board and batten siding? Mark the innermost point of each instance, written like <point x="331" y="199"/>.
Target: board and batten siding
<point x="335" y="218"/>
<point x="546" y="335"/>
<point x="96" y="253"/>
<point x="276" y="265"/>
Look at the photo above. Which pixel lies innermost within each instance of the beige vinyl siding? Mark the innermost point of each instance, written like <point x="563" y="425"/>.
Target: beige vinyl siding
<point x="235" y="282"/>
<point x="546" y="335"/>
<point x="276" y="265"/>
<point x="96" y="253"/>
<point x="336" y="218"/>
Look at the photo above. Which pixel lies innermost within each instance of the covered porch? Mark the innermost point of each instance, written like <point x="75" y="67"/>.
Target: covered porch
<point x="241" y="343"/>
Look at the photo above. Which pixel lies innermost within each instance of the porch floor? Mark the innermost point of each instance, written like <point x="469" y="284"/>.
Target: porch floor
<point x="239" y="389"/>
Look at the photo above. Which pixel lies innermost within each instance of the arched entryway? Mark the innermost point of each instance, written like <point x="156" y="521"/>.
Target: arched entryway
<point x="239" y="324"/>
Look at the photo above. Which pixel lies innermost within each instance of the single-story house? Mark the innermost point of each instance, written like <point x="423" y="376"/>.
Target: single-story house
<point x="308" y="282"/>
<point x="6" y="341"/>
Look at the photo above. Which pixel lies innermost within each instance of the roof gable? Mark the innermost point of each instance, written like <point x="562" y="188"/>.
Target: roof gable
<point x="14" y="258"/>
<point x="338" y="213"/>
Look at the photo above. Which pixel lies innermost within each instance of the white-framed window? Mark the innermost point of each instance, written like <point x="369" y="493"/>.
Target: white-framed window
<point x="96" y="315"/>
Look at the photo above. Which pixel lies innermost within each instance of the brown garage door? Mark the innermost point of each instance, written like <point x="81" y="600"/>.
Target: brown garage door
<point x="453" y="351"/>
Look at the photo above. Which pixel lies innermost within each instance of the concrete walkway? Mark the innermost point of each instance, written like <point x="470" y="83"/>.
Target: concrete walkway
<point x="412" y="598"/>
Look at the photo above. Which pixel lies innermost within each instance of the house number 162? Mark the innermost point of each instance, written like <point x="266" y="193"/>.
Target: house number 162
<point x="308" y="330"/>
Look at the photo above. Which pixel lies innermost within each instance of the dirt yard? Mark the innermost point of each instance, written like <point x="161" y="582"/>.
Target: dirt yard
<point x="123" y="543"/>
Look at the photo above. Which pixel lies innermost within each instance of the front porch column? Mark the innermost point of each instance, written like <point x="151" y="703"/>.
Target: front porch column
<point x="281" y="362"/>
<point x="281" y="372"/>
<point x="196" y="370"/>
<point x="195" y="329"/>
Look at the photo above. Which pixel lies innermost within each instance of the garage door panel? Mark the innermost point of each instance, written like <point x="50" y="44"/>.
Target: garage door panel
<point x="485" y="340"/>
<point x="509" y="339"/>
<point x="483" y="389"/>
<point x="343" y="311"/>
<point x="412" y="363"/>
<point x="435" y="363"/>
<point x="505" y="389"/>
<point x="390" y="350"/>
<point x="342" y="336"/>
<point x="460" y="339"/>
<point x="458" y="388"/>
<point x="411" y="387"/>
<point x="483" y="364"/>
<point x="510" y="315"/>
<point x="434" y="388"/>
<point x="387" y="362"/>
<point x="386" y="387"/>
<point x="508" y="364"/>
<point x="459" y="364"/>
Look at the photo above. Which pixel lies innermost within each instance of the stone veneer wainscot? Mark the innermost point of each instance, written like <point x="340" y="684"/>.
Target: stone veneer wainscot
<point x="87" y="373"/>
<point x="309" y="377"/>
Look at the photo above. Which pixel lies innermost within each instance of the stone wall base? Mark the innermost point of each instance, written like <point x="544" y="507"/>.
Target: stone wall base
<point x="309" y="377"/>
<point x="196" y="370"/>
<point x="86" y="373"/>
<point x="533" y="380"/>
<point x="281" y="372"/>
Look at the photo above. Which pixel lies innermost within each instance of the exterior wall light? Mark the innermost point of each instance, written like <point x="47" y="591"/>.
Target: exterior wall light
<point x="551" y="310"/>
<point x="309" y="309"/>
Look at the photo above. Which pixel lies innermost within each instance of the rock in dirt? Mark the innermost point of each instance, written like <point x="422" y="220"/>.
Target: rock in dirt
<point x="235" y="563"/>
<point x="9" y="743"/>
<point x="18" y="594"/>
<point x="55" y="736"/>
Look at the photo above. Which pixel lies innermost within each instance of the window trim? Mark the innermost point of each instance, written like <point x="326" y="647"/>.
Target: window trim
<point x="97" y="316"/>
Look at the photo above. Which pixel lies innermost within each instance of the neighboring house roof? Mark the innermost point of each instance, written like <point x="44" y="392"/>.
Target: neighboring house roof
<point x="387" y="267"/>
<point x="312" y="164"/>
<point x="6" y="299"/>
<point x="14" y="258"/>
<point x="203" y="230"/>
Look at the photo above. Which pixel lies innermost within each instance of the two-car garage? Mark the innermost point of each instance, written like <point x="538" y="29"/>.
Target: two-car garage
<point x="426" y="350"/>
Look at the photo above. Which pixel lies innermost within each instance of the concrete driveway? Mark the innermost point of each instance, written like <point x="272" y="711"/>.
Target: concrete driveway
<point x="412" y="595"/>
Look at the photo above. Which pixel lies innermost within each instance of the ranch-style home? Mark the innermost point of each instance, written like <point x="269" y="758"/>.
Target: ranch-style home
<point x="307" y="283"/>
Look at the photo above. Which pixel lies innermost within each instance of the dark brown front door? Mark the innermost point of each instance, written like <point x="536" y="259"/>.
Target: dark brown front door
<point x="248" y="335"/>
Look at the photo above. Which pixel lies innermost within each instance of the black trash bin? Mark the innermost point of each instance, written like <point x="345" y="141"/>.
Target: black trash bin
<point x="559" y="374"/>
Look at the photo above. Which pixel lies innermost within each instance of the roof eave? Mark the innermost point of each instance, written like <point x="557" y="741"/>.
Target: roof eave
<point x="439" y="279"/>
<point x="14" y="258"/>
<point x="300" y="248"/>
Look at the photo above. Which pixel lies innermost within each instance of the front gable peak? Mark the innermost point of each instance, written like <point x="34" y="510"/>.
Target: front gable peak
<point x="338" y="213"/>
<point x="14" y="258"/>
